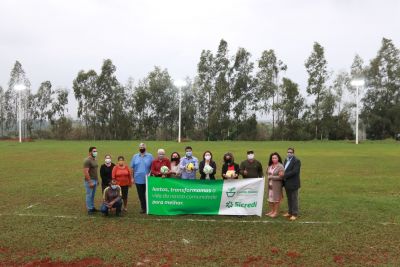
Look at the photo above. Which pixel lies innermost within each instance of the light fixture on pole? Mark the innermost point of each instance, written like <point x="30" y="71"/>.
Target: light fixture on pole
<point x="19" y="88"/>
<point x="358" y="84"/>
<point x="179" y="84"/>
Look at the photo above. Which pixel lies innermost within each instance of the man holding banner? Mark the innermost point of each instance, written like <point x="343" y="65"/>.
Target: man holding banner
<point x="189" y="165"/>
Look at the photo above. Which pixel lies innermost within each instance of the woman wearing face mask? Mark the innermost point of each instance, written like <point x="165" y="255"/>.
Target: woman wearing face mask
<point x="207" y="167"/>
<point x="122" y="174"/>
<point x="106" y="172"/>
<point x="230" y="170"/>
<point x="275" y="173"/>
<point x="175" y="160"/>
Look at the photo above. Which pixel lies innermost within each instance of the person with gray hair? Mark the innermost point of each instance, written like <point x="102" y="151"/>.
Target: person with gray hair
<point x="141" y="164"/>
<point x="161" y="166"/>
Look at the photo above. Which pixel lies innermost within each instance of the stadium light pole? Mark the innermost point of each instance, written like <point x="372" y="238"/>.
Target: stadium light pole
<point x="19" y="88"/>
<point x="357" y="83"/>
<point x="180" y="84"/>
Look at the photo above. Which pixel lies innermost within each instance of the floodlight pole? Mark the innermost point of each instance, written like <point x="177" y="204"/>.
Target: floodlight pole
<point x="357" y="84"/>
<point x="20" y="116"/>
<point x="180" y="111"/>
<point x="179" y="84"/>
<point x="357" y="91"/>
<point x="19" y="88"/>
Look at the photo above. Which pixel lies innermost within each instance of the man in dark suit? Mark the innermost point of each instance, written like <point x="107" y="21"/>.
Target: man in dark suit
<point x="291" y="180"/>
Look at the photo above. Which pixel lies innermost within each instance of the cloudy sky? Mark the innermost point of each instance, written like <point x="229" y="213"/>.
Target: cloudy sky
<point x="54" y="39"/>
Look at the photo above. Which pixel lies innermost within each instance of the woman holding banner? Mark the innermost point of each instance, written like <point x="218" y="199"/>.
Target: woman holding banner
<point x="230" y="169"/>
<point x="275" y="173"/>
<point x="175" y="172"/>
<point x="207" y="167"/>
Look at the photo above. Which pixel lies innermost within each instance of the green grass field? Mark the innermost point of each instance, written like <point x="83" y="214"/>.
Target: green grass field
<point x="349" y="203"/>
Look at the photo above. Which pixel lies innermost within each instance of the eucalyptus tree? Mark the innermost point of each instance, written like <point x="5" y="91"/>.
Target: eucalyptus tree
<point x="382" y="99"/>
<point x="316" y="66"/>
<point x="267" y="79"/>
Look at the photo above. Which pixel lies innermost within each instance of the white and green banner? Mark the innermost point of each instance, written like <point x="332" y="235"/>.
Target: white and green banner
<point x="169" y="196"/>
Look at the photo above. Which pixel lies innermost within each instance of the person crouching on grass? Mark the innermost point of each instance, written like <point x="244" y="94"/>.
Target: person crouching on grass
<point x="112" y="199"/>
<point x="122" y="174"/>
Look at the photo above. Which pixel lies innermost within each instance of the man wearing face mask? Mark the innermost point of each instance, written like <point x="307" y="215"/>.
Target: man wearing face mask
<point x="291" y="180"/>
<point x="141" y="164"/>
<point x="189" y="165"/>
<point x="160" y="162"/>
<point x="251" y="168"/>
<point x="90" y="167"/>
<point x="112" y="199"/>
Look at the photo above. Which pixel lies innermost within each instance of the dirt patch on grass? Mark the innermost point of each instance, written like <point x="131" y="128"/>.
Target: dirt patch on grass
<point x="51" y="263"/>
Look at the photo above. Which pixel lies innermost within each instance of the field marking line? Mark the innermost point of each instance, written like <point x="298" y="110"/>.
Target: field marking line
<point x="195" y="220"/>
<point x="57" y="195"/>
<point x="31" y="206"/>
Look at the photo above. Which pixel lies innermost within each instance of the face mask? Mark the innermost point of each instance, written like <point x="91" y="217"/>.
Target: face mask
<point x="142" y="150"/>
<point x="228" y="161"/>
<point x="113" y="186"/>
<point x="208" y="157"/>
<point x="94" y="154"/>
<point x="108" y="161"/>
<point x="174" y="159"/>
<point x="189" y="154"/>
<point x="250" y="156"/>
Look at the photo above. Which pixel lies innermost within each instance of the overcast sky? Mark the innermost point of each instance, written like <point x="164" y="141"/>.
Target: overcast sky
<point x="54" y="39"/>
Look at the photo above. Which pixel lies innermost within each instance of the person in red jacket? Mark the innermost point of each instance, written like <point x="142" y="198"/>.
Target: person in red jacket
<point x="160" y="161"/>
<point x="123" y="175"/>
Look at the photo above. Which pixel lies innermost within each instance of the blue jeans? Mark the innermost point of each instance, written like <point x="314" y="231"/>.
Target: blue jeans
<point x="117" y="205"/>
<point x="90" y="192"/>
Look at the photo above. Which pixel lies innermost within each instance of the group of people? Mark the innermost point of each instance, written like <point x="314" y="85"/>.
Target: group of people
<point x="116" y="179"/>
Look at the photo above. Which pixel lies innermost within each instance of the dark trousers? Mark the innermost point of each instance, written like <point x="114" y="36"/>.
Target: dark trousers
<point x="124" y="192"/>
<point x="141" y="190"/>
<point x="293" y="201"/>
<point x="117" y="205"/>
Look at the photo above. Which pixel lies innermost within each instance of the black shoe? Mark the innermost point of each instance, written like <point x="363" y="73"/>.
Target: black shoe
<point x="142" y="212"/>
<point x="94" y="210"/>
<point x="90" y="212"/>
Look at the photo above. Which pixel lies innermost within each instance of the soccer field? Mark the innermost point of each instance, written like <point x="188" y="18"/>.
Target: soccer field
<point x="349" y="204"/>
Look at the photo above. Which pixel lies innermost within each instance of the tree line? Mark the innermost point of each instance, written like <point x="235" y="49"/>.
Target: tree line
<point x="224" y="101"/>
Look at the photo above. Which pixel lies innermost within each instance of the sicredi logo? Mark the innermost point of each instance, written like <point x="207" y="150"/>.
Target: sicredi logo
<point x="239" y="204"/>
<point x="229" y="204"/>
